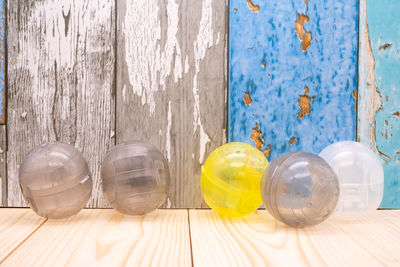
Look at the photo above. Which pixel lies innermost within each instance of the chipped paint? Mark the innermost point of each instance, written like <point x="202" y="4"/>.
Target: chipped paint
<point x="304" y="104"/>
<point x="168" y="133"/>
<point x="69" y="97"/>
<point x="256" y="137"/>
<point x="148" y="64"/>
<point x="379" y="96"/>
<point x="367" y="89"/>
<point x="203" y="42"/>
<point x="124" y="93"/>
<point x="254" y="8"/>
<point x="293" y="140"/>
<point x="304" y="36"/>
<point x="267" y="151"/>
<point x="267" y="62"/>
<point x="187" y="67"/>
<point x="247" y="99"/>
<point x="385" y="46"/>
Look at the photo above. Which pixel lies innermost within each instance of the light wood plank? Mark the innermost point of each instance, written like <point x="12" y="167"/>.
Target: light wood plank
<point x="108" y="238"/>
<point x="171" y="84"/>
<point x="61" y="77"/>
<point x="16" y="225"/>
<point x="259" y="240"/>
<point x="378" y="93"/>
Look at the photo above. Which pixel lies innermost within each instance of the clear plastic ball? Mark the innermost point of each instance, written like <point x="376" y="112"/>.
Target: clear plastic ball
<point x="230" y="179"/>
<point x="361" y="178"/>
<point x="55" y="180"/>
<point x="300" y="189"/>
<point x="135" y="178"/>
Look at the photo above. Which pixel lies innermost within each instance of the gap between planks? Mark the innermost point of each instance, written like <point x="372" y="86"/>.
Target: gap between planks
<point x="193" y="238"/>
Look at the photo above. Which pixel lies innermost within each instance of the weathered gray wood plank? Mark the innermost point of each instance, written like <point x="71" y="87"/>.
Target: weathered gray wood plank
<point x="3" y="165"/>
<point x="61" y="77"/>
<point x="171" y="84"/>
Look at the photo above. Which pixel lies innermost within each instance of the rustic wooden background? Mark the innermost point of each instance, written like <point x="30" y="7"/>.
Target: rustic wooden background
<point x="96" y="73"/>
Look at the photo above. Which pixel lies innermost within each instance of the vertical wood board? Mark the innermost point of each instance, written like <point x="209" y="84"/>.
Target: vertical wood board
<point x="292" y="74"/>
<point x="3" y="165"/>
<point x="3" y="100"/>
<point x="379" y="89"/>
<point x="171" y="84"/>
<point x="60" y="77"/>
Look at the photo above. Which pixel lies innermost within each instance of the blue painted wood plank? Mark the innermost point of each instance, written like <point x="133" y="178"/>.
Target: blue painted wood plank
<point x="292" y="73"/>
<point x="2" y="62"/>
<point x="379" y="91"/>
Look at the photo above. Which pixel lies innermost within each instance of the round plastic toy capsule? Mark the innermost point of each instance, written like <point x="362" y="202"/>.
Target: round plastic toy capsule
<point x="300" y="189"/>
<point x="55" y="180"/>
<point x="135" y="178"/>
<point x="361" y="178"/>
<point x="230" y="179"/>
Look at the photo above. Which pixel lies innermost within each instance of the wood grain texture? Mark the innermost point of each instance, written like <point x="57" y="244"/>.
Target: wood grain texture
<point x="296" y="61"/>
<point x="379" y="97"/>
<point x="171" y="84"/>
<point x="108" y="238"/>
<point x="60" y="76"/>
<point x="3" y="100"/>
<point x="16" y="225"/>
<point x="3" y="165"/>
<point x="259" y="240"/>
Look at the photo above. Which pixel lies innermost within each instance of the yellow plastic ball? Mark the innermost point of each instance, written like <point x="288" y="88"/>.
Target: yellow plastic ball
<point x="230" y="179"/>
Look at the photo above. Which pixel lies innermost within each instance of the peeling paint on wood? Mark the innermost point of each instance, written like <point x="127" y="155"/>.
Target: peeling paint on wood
<point x="256" y="137"/>
<point x="61" y="77"/>
<point x="3" y="98"/>
<point x="254" y="8"/>
<point x="304" y="36"/>
<point x="378" y="94"/>
<point x="268" y="62"/>
<point x="304" y="104"/>
<point x="171" y="60"/>
<point x="247" y="99"/>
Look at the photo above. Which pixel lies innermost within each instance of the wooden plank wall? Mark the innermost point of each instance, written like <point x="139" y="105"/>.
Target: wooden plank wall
<point x="3" y="100"/>
<point x="60" y="82"/>
<point x="379" y="92"/>
<point x="97" y="73"/>
<point x="171" y="62"/>
<point x="292" y="74"/>
<point x="93" y="73"/>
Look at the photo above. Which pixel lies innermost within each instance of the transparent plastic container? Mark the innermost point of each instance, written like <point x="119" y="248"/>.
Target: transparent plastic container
<point x="55" y="180"/>
<point x="230" y="179"/>
<point x="361" y="178"/>
<point x="135" y="178"/>
<point x="300" y="189"/>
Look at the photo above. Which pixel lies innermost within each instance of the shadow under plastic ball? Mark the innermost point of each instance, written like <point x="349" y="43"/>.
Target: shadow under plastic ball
<point x="55" y="180"/>
<point x="135" y="178"/>
<point x="361" y="178"/>
<point x="300" y="189"/>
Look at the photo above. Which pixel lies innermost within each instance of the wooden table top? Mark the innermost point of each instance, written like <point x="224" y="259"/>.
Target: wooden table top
<point x="103" y="237"/>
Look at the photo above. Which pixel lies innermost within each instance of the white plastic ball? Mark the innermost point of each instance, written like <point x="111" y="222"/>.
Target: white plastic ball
<point x="361" y="178"/>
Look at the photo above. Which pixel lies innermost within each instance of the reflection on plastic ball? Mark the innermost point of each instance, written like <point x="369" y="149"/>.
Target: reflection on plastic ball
<point x="300" y="189"/>
<point x="135" y="178"/>
<point x="230" y="180"/>
<point x="361" y="178"/>
<point x="55" y="180"/>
